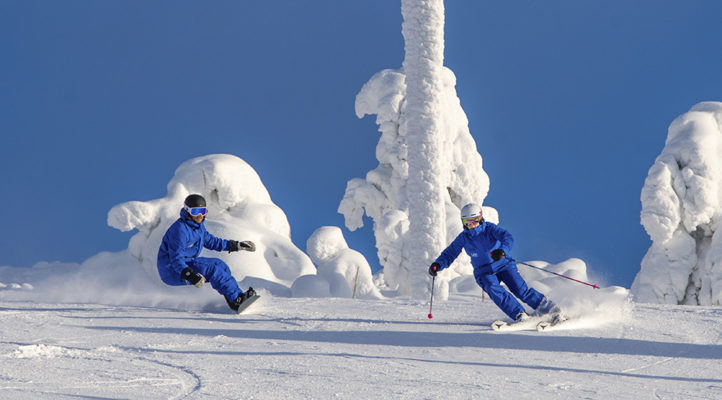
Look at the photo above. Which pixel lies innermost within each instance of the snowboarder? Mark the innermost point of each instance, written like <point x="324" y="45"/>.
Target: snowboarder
<point x="487" y="244"/>
<point x="178" y="257"/>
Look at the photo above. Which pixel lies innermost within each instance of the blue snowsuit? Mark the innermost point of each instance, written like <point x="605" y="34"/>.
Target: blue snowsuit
<point x="181" y="247"/>
<point x="478" y="243"/>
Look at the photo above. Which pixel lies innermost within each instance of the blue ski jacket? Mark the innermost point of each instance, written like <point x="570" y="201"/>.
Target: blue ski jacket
<point x="183" y="243"/>
<point x="478" y="243"/>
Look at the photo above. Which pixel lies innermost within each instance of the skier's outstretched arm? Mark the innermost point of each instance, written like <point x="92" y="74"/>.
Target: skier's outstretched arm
<point x="449" y="254"/>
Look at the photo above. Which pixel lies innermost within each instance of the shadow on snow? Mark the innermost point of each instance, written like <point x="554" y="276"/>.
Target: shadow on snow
<point x="483" y="339"/>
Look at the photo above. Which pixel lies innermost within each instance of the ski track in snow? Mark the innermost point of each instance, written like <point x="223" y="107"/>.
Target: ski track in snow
<point x="349" y="349"/>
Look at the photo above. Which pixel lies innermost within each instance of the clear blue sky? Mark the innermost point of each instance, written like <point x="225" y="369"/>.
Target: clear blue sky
<point x="569" y="103"/>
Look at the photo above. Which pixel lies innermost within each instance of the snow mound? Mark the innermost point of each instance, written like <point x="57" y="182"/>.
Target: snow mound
<point x="346" y="270"/>
<point x="681" y="212"/>
<point x="311" y="286"/>
<point x="240" y="208"/>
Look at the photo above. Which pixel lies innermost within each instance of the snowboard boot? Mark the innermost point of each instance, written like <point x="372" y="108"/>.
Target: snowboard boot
<point x="240" y="299"/>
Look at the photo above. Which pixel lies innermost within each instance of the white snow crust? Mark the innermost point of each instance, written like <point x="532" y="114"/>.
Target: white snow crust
<point x="681" y="212"/>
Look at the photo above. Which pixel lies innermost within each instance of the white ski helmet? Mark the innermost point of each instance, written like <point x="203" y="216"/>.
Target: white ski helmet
<point x="470" y="210"/>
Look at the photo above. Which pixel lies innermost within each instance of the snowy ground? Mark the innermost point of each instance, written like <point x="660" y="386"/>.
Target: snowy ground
<point x="349" y="349"/>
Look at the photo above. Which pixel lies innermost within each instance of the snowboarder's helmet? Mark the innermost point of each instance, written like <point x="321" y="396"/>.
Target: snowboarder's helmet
<point x="195" y="200"/>
<point x="470" y="210"/>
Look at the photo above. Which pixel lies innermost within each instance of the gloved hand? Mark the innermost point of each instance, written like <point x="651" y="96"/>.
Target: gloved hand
<point x="247" y="245"/>
<point x="434" y="268"/>
<point x="193" y="277"/>
<point x="234" y="245"/>
<point x="497" y="254"/>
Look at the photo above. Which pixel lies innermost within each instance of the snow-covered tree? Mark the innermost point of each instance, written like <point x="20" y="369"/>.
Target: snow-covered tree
<point x="346" y="270"/>
<point x="423" y="30"/>
<point x="681" y="212"/>
<point x="428" y="163"/>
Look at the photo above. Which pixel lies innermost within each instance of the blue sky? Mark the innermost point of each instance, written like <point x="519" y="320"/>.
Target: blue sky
<point x="569" y="103"/>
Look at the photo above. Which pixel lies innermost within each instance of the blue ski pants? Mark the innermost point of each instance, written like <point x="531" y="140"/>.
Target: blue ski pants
<point x="217" y="274"/>
<point x="491" y="283"/>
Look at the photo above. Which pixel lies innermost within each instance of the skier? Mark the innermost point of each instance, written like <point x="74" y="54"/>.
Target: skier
<point x="178" y="257"/>
<point x="487" y="245"/>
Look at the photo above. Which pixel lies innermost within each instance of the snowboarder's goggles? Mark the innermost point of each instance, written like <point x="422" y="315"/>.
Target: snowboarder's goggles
<point x="196" y="211"/>
<point x="466" y="221"/>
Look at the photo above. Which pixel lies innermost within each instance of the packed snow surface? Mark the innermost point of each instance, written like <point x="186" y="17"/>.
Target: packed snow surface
<point x="353" y="348"/>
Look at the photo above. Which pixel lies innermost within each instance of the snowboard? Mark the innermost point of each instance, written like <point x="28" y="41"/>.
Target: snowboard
<point x="247" y="303"/>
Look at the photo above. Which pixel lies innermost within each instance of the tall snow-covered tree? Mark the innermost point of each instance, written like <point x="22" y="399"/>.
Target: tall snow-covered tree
<point x="682" y="213"/>
<point x="423" y="30"/>
<point x="428" y="163"/>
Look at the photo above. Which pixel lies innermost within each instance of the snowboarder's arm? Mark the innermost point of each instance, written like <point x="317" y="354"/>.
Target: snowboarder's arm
<point x="213" y="243"/>
<point x="176" y="242"/>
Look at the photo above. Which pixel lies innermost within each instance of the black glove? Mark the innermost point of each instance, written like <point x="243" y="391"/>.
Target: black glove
<point x="234" y="245"/>
<point x="247" y="245"/>
<point x="497" y="254"/>
<point x="434" y="268"/>
<point x="194" y="278"/>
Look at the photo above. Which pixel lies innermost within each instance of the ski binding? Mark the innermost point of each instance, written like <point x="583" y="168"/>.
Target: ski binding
<point x="247" y="303"/>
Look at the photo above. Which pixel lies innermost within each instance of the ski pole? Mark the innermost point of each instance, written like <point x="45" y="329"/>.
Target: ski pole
<point x="431" y="302"/>
<point x="355" y="282"/>
<point x="563" y="276"/>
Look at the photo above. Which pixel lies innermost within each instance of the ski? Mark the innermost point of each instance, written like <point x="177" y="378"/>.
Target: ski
<point x="247" y="303"/>
<point x="549" y="324"/>
<point x="530" y="323"/>
<point x="541" y="323"/>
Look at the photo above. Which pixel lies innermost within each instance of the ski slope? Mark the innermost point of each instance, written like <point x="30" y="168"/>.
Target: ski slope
<point x="351" y="349"/>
